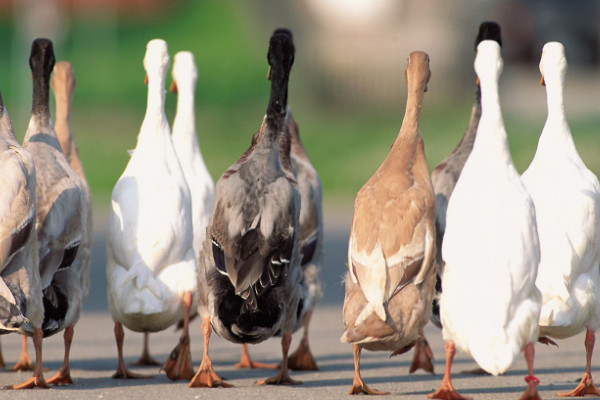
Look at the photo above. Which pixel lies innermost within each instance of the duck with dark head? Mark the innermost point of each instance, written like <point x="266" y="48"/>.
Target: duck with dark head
<point x="249" y="271"/>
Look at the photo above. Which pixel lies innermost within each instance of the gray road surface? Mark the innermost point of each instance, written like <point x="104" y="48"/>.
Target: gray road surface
<point x="93" y="355"/>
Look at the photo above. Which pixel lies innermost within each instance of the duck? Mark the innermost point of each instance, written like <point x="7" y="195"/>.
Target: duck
<point x="390" y="281"/>
<point x="444" y="178"/>
<point x="77" y="276"/>
<point x="566" y="195"/>
<point x="151" y="266"/>
<point x="249" y="270"/>
<point x="185" y="140"/>
<point x="491" y="236"/>
<point x="201" y="184"/>
<point x="21" y="304"/>
<point x="310" y="246"/>
<point x="60" y="214"/>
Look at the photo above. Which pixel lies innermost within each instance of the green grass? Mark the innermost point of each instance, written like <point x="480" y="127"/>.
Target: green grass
<point x="346" y="144"/>
<point x="346" y="147"/>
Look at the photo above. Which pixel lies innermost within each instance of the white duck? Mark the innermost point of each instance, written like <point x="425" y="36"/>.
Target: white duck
<point x="444" y="178"/>
<point x="391" y="250"/>
<point x="185" y="140"/>
<point x="491" y="237"/>
<point x="78" y="275"/>
<point x="20" y="290"/>
<point x="151" y="268"/>
<point x="61" y="209"/>
<point x="567" y="203"/>
<point x="201" y="184"/>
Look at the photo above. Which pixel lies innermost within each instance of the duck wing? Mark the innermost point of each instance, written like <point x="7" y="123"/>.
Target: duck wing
<point x="391" y="245"/>
<point x="17" y="217"/>
<point x="253" y="234"/>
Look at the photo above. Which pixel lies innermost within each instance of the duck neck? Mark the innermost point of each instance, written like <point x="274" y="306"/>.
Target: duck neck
<point x="491" y="132"/>
<point x="185" y="120"/>
<point x="556" y="129"/>
<point x="278" y="100"/>
<point x="469" y="136"/>
<point x="40" y="105"/>
<point x="412" y="115"/>
<point x="155" y="109"/>
<point x="63" y="121"/>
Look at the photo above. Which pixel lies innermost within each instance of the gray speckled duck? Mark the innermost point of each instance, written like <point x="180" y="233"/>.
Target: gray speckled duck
<point x="249" y="272"/>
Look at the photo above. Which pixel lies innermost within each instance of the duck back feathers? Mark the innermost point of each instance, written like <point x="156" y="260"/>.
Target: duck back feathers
<point x="20" y="290"/>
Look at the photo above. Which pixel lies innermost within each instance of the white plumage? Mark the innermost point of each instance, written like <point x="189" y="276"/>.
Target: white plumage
<point x="567" y="201"/>
<point x="490" y="305"/>
<point x="150" y="256"/>
<point x="200" y="182"/>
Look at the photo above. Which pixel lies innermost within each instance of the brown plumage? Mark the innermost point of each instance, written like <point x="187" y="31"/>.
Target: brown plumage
<point x="391" y="254"/>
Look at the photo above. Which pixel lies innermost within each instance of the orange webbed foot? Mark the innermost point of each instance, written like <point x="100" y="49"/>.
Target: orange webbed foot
<point x="207" y="378"/>
<point x="146" y="360"/>
<point x="446" y="392"/>
<point x="585" y="387"/>
<point x="61" y="378"/>
<point x="283" y="378"/>
<point x="33" y="382"/>
<point x="364" y="389"/>
<point x="127" y="374"/>
<point x="302" y="359"/>
<point x="179" y="363"/>
<point x="423" y="357"/>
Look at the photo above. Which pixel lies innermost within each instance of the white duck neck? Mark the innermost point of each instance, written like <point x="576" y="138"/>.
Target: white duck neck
<point x="491" y="133"/>
<point x="556" y="130"/>
<point x="555" y="99"/>
<point x="155" y="109"/>
<point x="185" y="120"/>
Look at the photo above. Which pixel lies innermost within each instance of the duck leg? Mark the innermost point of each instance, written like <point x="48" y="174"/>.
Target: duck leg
<point x="24" y="363"/>
<point x="179" y="363"/>
<point x="37" y="380"/>
<point x="423" y="355"/>
<point x="146" y="360"/>
<point x="122" y="371"/>
<point x="283" y="378"/>
<point x="446" y="390"/>
<point x="247" y="363"/>
<point x="302" y="359"/>
<point x="586" y="386"/>
<point x="206" y="375"/>
<point x="63" y="376"/>
<point x="2" y="364"/>
<point x="531" y="392"/>
<point x="358" y="385"/>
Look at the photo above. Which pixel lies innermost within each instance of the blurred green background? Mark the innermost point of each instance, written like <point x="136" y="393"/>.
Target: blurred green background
<point x="347" y="85"/>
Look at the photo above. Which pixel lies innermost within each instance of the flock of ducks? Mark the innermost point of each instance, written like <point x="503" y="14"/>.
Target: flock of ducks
<point x="244" y="255"/>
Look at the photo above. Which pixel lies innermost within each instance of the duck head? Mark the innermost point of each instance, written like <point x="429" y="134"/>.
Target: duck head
<point x="553" y="64"/>
<point x="41" y="58"/>
<point x="184" y="70"/>
<point x="64" y="77"/>
<point x="488" y="30"/>
<point x="417" y="71"/>
<point x="488" y="62"/>
<point x="156" y="59"/>
<point x="281" y="58"/>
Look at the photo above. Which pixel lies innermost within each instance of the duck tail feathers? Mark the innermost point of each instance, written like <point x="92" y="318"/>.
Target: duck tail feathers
<point x="369" y="309"/>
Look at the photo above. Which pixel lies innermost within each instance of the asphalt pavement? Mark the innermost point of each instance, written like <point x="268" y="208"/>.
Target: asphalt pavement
<point x="94" y="355"/>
